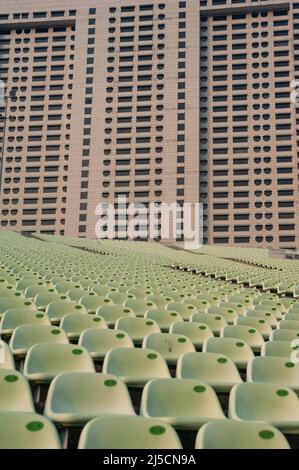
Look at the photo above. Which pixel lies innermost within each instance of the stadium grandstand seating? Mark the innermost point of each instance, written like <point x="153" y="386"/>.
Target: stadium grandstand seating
<point x="117" y="344"/>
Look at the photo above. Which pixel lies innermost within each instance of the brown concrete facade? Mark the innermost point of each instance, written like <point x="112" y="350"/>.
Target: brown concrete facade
<point x="129" y="116"/>
<point x="248" y="129"/>
<point x="162" y="101"/>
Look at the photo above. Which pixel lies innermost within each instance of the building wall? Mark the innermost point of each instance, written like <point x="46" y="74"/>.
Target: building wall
<point x="162" y="101"/>
<point x="132" y="108"/>
<point x="249" y="136"/>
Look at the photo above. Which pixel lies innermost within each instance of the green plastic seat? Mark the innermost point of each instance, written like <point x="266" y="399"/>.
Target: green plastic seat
<point x="284" y="335"/>
<point x="275" y="404"/>
<point x="119" y="298"/>
<point x="287" y="302"/>
<point x="6" y="357"/>
<point x="250" y="335"/>
<point x="288" y="325"/>
<point x="26" y="282"/>
<point x="24" y="430"/>
<point x="101" y="290"/>
<point x="213" y="298"/>
<point x="137" y="328"/>
<point x="170" y="345"/>
<point x="75" y="323"/>
<point x="7" y="303"/>
<point x="135" y="366"/>
<point x="272" y="303"/>
<point x="9" y="291"/>
<point x="139" y="292"/>
<point x="263" y="315"/>
<point x="238" y="351"/>
<point x="260" y="324"/>
<point x="196" y="332"/>
<point x="246" y="301"/>
<point x="15" y="392"/>
<point x="128" y="432"/>
<point x="185" y="310"/>
<point x="231" y="434"/>
<point x="201" y="305"/>
<point x="98" y="342"/>
<point x="76" y="293"/>
<point x="291" y="316"/>
<point x="140" y="307"/>
<point x="32" y="291"/>
<point x="238" y="307"/>
<point x="25" y="336"/>
<point x="164" y="318"/>
<point x="45" y="360"/>
<point x="112" y="313"/>
<point x="217" y="370"/>
<point x="215" y="322"/>
<point x="277" y="349"/>
<point x="228" y="314"/>
<point x="278" y="370"/>
<point x="268" y="308"/>
<point x="15" y="317"/>
<point x="182" y="403"/>
<point x="92" y="302"/>
<point x="294" y="307"/>
<point x="160" y="301"/>
<point x="63" y="287"/>
<point x="57" y="309"/>
<point x="42" y="300"/>
<point x="75" y="398"/>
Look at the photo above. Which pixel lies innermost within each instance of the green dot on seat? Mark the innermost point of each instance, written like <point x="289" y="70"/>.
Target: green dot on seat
<point x="217" y="318"/>
<point x="126" y="310"/>
<point x="199" y="388"/>
<point x="120" y="335"/>
<point x="11" y="378"/>
<point x="202" y="327"/>
<point x="221" y="360"/>
<point x="157" y="430"/>
<point x="265" y="434"/>
<point x="110" y="383"/>
<point x="55" y="332"/>
<point x="289" y="364"/>
<point x="149" y="323"/>
<point x="182" y="340"/>
<point x="96" y="319"/>
<point x="173" y="314"/>
<point x="230" y="310"/>
<point x="77" y="351"/>
<point x="78" y="307"/>
<point x="39" y="315"/>
<point x="282" y="393"/>
<point x="152" y="356"/>
<point x="27" y="303"/>
<point x="240" y="344"/>
<point x="35" y="426"/>
<point x="251" y="330"/>
<point x="262" y="321"/>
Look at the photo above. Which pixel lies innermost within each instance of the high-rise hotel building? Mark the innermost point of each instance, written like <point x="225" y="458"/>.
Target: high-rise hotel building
<point x="161" y="101"/>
